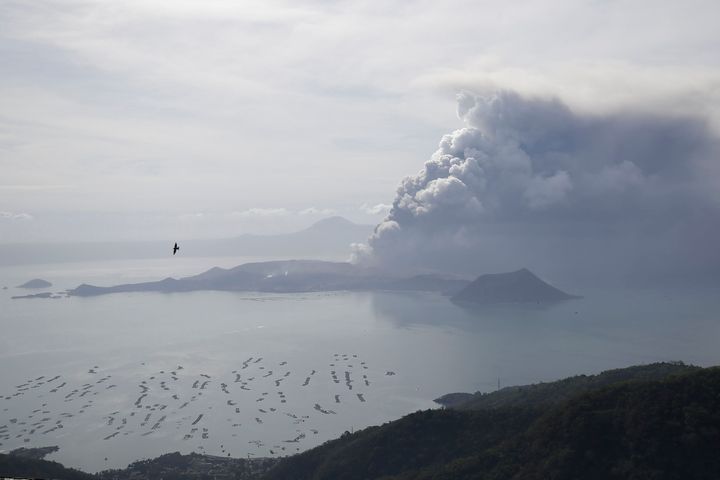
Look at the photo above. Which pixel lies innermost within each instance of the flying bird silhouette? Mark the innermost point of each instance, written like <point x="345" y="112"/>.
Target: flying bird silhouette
<point x="175" y="248"/>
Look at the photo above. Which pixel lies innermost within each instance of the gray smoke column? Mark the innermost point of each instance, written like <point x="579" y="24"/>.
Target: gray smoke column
<point x="528" y="182"/>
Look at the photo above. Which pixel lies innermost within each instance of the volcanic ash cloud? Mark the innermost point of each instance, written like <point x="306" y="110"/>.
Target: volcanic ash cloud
<point x="529" y="182"/>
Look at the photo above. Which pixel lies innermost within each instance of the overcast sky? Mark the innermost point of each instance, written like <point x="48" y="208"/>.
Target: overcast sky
<point x="156" y="119"/>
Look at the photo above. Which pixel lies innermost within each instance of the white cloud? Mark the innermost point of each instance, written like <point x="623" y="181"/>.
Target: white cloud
<point x="263" y="212"/>
<point x="210" y="104"/>
<point x="317" y="211"/>
<point x="377" y="209"/>
<point x="593" y="85"/>
<point x="19" y="216"/>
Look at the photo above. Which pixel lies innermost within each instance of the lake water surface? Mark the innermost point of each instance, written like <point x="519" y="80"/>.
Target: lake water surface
<point x="116" y="378"/>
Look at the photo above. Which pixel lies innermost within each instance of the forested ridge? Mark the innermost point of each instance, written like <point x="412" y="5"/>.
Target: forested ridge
<point x="654" y="429"/>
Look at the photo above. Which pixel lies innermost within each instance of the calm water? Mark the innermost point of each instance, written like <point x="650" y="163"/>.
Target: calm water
<point x="120" y="377"/>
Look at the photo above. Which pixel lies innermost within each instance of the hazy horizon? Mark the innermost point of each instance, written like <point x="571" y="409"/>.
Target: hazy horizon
<point x="590" y="130"/>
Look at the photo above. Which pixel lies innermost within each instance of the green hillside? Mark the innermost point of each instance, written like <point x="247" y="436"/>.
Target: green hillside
<point x="651" y="430"/>
<point x="631" y="429"/>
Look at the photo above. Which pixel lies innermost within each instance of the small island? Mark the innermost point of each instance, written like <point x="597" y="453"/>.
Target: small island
<point x="293" y="276"/>
<point x="521" y="286"/>
<point x="36" y="283"/>
<point x="40" y="295"/>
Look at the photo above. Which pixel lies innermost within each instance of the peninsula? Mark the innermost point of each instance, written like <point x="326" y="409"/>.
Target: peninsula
<point x="287" y="276"/>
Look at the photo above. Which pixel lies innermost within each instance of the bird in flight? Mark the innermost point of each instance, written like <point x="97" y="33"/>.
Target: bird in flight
<point x="175" y="248"/>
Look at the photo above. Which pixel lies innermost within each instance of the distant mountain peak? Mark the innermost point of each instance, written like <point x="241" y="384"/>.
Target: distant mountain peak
<point x="333" y="222"/>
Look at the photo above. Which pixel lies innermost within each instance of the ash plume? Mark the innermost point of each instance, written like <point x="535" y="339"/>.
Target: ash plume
<point x="529" y="182"/>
